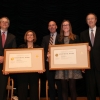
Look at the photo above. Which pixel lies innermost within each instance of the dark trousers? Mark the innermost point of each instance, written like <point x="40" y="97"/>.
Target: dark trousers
<point x="51" y="82"/>
<point x="92" y="82"/>
<point x="31" y="79"/>
<point x="3" y="85"/>
<point x="72" y="87"/>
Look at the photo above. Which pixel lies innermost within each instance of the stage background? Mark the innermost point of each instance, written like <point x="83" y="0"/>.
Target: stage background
<point x="35" y="15"/>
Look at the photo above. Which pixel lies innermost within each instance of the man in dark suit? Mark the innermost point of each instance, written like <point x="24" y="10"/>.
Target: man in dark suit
<point x="7" y="41"/>
<point x="92" y="36"/>
<point x="51" y="73"/>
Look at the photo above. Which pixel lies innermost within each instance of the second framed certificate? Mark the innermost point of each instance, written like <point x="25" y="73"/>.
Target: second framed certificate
<point x="69" y="56"/>
<point x="23" y="60"/>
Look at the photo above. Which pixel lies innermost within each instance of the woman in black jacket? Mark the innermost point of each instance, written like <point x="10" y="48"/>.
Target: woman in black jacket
<point x="31" y="79"/>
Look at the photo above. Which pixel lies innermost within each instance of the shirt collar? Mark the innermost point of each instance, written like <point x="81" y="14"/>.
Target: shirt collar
<point x="3" y="31"/>
<point x="94" y="28"/>
<point x="54" y="34"/>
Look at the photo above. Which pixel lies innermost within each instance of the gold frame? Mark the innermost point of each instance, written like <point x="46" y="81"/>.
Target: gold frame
<point x="36" y="55"/>
<point x="80" y="63"/>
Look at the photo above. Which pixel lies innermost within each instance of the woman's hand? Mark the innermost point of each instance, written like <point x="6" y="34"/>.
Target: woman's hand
<point x="5" y="73"/>
<point x="83" y="70"/>
<point x="1" y="59"/>
<point x="40" y="72"/>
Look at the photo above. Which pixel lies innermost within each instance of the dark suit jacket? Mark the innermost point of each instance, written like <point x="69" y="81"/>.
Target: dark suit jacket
<point x="45" y="43"/>
<point x="10" y="43"/>
<point x="95" y="50"/>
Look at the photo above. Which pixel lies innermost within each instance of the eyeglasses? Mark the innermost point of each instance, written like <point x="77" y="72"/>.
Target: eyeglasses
<point x="66" y="25"/>
<point x="29" y="35"/>
<point x="5" y="22"/>
<point x="90" y="18"/>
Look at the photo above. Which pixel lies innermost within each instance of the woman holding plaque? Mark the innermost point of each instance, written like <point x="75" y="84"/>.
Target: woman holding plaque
<point x="68" y="76"/>
<point x="31" y="79"/>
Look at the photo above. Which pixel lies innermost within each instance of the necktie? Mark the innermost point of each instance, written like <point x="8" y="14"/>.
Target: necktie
<point x="3" y="39"/>
<point x="92" y="37"/>
<point x="51" y="40"/>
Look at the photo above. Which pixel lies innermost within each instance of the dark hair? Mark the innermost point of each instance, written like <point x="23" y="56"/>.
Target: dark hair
<point x="92" y="14"/>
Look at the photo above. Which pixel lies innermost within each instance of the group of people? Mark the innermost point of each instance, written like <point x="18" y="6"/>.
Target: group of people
<point x="62" y="78"/>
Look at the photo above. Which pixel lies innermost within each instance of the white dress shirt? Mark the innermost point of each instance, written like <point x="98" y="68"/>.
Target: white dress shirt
<point x="94" y="31"/>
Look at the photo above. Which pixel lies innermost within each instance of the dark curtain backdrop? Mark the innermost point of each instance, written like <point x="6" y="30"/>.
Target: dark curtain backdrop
<point x="35" y="15"/>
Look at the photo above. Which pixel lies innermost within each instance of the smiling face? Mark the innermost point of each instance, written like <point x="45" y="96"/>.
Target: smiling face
<point x="91" y="20"/>
<point x="4" y="23"/>
<point x="52" y="27"/>
<point x="29" y="37"/>
<point x="65" y="26"/>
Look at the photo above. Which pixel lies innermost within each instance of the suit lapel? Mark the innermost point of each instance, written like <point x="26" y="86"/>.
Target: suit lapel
<point x="88" y="37"/>
<point x="7" y="40"/>
<point x="56" y="39"/>
<point x="96" y="36"/>
<point x="0" y="40"/>
<point x="48" y="39"/>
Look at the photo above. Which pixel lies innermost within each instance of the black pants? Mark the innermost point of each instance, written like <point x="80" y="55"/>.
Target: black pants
<point x="72" y="88"/>
<point x="51" y="82"/>
<point x="92" y="82"/>
<point x="31" y="79"/>
<point x="3" y="85"/>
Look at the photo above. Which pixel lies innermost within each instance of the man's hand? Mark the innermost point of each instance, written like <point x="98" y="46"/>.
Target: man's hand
<point x="48" y="55"/>
<point x="89" y="48"/>
<point x="1" y="59"/>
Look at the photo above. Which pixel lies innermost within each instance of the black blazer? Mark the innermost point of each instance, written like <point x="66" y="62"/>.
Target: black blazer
<point x="10" y="43"/>
<point x="25" y="46"/>
<point x="45" y="43"/>
<point x="76" y="40"/>
<point x="95" y="49"/>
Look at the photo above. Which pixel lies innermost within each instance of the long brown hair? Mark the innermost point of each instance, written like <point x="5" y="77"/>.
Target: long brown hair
<point x="71" y="35"/>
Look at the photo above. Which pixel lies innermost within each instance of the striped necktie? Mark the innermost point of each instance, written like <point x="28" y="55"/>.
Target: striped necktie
<point x="51" y="40"/>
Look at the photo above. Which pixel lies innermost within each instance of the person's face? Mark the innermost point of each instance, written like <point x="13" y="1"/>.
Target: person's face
<point x="65" y="26"/>
<point x="52" y="27"/>
<point x="91" y="20"/>
<point x="4" y="23"/>
<point x="29" y="37"/>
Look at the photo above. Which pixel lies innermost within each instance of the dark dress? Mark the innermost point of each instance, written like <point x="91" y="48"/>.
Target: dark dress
<point x="68" y="77"/>
<point x="25" y="79"/>
<point x="68" y="74"/>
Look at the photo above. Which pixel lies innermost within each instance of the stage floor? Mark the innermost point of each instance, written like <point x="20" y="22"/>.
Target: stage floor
<point x="78" y="98"/>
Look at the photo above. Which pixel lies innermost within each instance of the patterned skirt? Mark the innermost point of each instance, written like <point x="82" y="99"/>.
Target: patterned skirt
<point x="68" y="74"/>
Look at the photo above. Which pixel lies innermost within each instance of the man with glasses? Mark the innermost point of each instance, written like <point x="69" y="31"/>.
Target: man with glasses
<point x="92" y="36"/>
<point x="7" y="41"/>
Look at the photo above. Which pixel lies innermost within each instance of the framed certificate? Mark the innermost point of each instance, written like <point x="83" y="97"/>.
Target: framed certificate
<point x="69" y="56"/>
<point x="23" y="60"/>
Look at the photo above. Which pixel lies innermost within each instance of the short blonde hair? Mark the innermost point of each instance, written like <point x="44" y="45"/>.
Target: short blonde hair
<point x="25" y="36"/>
